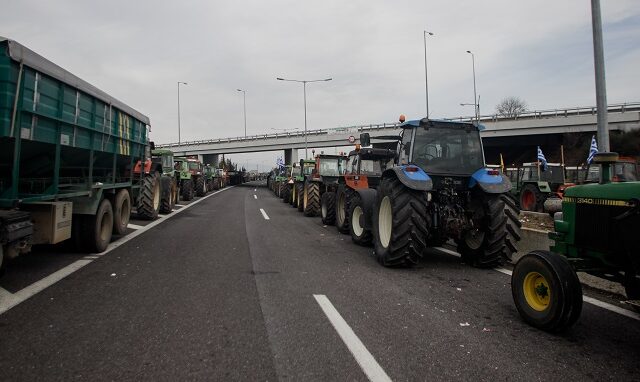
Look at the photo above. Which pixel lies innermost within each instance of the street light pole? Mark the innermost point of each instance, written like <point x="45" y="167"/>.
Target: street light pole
<point x="426" y="77"/>
<point x="601" y="85"/>
<point x="475" y="96"/>
<point x="304" y="89"/>
<point x="244" y="98"/>
<point x="184" y="83"/>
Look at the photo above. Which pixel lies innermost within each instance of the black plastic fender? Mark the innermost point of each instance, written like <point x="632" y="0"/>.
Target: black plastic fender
<point x="368" y="197"/>
<point x="415" y="180"/>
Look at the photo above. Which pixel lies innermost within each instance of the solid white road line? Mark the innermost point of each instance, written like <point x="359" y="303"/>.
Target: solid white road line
<point x="369" y="365"/>
<point x="33" y="289"/>
<point x="255" y="197"/>
<point x="134" y="226"/>
<point x="264" y="214"/>
<point x="447" y="251"/>
<point x="182" y="205"/>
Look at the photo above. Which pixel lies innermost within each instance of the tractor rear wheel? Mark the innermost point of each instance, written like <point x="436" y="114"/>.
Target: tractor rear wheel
<point x="343" y="198"/>
<point x="201" y="186"/>
<point x="149" y="198"/>
<point x="484" y="245"/>
<point x="514" y="225"/>
<point x="311" y="199"/>
<point x="400" y="224"/>
<point x="328" y="208"/>
<point x="546" y="291"/>
<point x="531" y="199"/>
<point x="168" y="186"/>
<point x="286" y="194"/>
<point x="299" y="196"/>
<point x="359" y="234"/>
<point x="121" y="211"/>
<point x="187" y="190"/>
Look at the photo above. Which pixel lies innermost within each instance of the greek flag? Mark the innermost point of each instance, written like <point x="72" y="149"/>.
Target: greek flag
<point x="593" y="150"/>
<point x="542" y="159"/>
<point x="280" y="163"/>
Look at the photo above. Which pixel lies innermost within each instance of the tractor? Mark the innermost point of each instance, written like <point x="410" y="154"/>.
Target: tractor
<point x="437" y="189"/>
<point x="322" y="184"/>
<point x="181" y="166"/>
<point x="301" y="189"/>
<point x="280" y="178"/>
<point x="596" y="233"/>
<point x="159" y="190"/>
<point x="532" y="186"/>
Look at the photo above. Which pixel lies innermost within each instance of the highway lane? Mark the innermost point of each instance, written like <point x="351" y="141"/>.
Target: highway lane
<point x="219" y="292"/>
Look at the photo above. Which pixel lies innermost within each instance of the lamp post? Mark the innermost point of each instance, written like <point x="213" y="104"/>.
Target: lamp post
<point x="426" y="77"/>
<point x="244" y="98"/>
<point x="183" y="83"/>
<point x="475" y="96"/>
<point x="304" y="86"/>
<point x="601" y="85"/>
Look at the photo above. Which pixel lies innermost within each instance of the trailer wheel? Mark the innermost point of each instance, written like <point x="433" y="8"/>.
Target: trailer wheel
<point x="299" y="199"/>
<point x="359" y="234"/>
<point x="400" y="224"/>
<point x="121" y="211"/>
<point x="286" y="194"/>
<point x="546" y="291"/>
<point x="484" y="245"/>
<point x="187" y="190"/>
<point x="99" y="228"/>
<point x="343" y="198"/>
<point x="328" y="208"/>
<point x="168" y="186"/>
<point x="201" y="187"/>
<point x="531" y="199"/>
<point x="311" y="199"/>
<point x="149" y="198"/>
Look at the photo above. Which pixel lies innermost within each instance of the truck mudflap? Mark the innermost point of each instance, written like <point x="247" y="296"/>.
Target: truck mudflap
<point x="368" y="197"/>
<point x="490" y="181"/>
<point x="411" y="176"/>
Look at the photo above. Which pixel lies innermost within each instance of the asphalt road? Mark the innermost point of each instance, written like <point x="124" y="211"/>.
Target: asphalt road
<point x="219" y="292"/>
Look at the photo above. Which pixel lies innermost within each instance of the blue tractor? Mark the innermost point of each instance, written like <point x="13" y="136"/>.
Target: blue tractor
<point x="440" y="189"/>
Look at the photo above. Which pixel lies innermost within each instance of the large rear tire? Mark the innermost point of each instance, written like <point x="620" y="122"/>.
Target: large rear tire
<point x="149" y="199"/>
<point x="286" y="194"/>
<point x="201" y="186"/>
<point x="484" y="245"/>
<point x="98" y="228"/>
<point x="546" y="291"/>
<point x="328" y="208"/>
<point x="343" y="198"/>
<point x="121" y="212"/>
<point x="311" y="199"/>
<point x="168" y="186"/>
<point x="187" y="190"/>
<point x="400" y="224"/>
<point x="299" y="198"/>
<point x="531" y="199"/>
<point x="359" y="234"/>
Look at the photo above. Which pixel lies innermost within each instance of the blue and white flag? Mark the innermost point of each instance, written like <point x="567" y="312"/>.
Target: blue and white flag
<point x="593" y="150"/>
<point x="542" y="159"/>
<point x="280" y="163"/>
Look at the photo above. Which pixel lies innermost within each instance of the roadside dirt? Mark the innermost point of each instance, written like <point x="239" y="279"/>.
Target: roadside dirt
<point x="536" y="220"/>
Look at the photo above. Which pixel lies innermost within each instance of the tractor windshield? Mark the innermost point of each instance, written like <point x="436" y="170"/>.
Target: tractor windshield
<point x="447" y="150"/>
<point x="331" y="167"/>
<point x="308" y="168"/>
<point x="193" y="165"/>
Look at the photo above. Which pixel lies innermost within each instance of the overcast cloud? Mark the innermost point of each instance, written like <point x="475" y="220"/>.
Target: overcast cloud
<point x="540" y="51"/>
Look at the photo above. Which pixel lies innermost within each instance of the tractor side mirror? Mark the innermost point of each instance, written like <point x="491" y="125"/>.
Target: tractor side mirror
<point x="365" y="139"/>
<point x="152" y="144"/>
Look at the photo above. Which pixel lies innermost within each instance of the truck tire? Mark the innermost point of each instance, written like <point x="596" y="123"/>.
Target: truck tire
<point x="187" y="190"/>
<point x="311" y="199"/>
<point x="299" y="197"/>
<point x="149" y="198"/>
<point x="514" y="225"/>
<point x="531" y="199"/>
<point x="167" y="185"/>
<point x="121" y="212"/>
<point x="400" y="224"/>
<point x="98" y="228"/>
<point x="328" y="208"/>
<point x="286" y="194"/>
<point x="484" y="247"/>
<point x="343" y="198"/>
<point x="546" y="291"/>
<point x="201" y="187"/>
<point x="359" y="234"/>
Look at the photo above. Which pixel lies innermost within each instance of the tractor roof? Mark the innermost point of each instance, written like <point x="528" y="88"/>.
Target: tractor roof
<point x="439" y="123"/>
<point x="161" y="152"/>
<point x="374" y="153"/>
<point x="330" y="156"/>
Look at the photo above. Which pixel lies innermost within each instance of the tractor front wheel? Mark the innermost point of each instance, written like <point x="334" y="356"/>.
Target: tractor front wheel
<point x="201" y="187"/>
<point x="168" y="186"/>
<point x="359" y="234"/>
<point x="149" y="198"/>
<point x="311" y="199"/>
<point x="400" y="224"/>
<point x="187" y="190"/>
<point x="546" y="291"/>
<point x="343" y="198"/>
<point x="328" y="208"/>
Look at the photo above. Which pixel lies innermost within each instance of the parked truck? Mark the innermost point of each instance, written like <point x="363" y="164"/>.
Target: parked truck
<point x="67" y="152"/>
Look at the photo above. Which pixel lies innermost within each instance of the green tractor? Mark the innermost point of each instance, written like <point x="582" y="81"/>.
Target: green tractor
<point x="181" y="166"/>
<point x="159" y="189"/>
<point x="163" y="160"/>
<point x="596" y="233"/>
<point x="280" y="179"/>
<point x="532" y="186"/>
<point x="300" y="186"/>
<point x="287" y="188"/>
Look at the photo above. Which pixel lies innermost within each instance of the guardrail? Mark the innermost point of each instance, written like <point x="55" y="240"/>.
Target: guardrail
<point x="536" y="114"/>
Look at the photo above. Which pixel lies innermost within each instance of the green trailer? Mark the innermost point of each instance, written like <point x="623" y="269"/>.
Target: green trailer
<point x="67" y="151"/>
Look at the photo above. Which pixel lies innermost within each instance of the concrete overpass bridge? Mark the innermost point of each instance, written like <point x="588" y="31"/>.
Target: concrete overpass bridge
<point x="499" y="131"/>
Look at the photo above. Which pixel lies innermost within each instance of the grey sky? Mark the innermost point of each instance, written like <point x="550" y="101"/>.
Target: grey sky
<point x="540" y="51"/>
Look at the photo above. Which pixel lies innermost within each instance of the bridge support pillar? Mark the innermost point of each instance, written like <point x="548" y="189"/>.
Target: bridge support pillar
<point x="290" y="156"/>
<point x="211" y="159"/>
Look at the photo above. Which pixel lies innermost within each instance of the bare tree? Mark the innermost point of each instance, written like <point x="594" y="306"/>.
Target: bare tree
<point x="511" y="107"/>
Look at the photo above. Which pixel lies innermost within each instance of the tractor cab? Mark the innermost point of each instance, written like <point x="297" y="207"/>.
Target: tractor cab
<point x="365" y="166"/>
<point x="329" y="167"/>
<point x="164" y="158"/>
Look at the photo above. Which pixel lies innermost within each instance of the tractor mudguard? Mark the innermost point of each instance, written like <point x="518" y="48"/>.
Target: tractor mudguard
<point x="415" y="179"/>
<point x="489" y="183"/>
<point x="543" y="186"/>
<point x="368" y="197"/>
